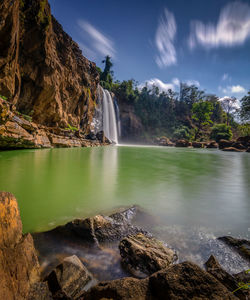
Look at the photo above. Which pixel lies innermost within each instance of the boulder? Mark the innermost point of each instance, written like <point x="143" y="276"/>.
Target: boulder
<point x="143" y="255"/>
<point x="19" y="267"/>
<point x="225" y="144"/>
<point x="242" y="246"/>
<point x="183" y="143"/>
<point x="70" y="278"/>
<point x="163" y="141"/>
<point x="244" y="140"/>
<point x="230" y="282"/>
<point x="100" y="228"/>
<point x="212" y="144"/>
<point x="39" y="291"/>
<point x="177" y="282"/>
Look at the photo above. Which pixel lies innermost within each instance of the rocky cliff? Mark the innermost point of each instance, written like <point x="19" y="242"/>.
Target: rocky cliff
<point x="42" y="70"/>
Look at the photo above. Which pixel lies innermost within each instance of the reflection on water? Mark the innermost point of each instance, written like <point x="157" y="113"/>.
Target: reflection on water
<point x="188" y="188"/>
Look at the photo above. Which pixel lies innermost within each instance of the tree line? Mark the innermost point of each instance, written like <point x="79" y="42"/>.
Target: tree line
<point x="190" y="113"/>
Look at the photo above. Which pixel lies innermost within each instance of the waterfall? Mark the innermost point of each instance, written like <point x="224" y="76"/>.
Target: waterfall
<point x="117" y="113"/>
<point x="105" y="116"/>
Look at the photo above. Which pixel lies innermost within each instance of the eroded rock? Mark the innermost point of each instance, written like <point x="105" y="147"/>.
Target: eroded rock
<point x="229" y="281"/>
<point x="178" y="282"/>
<point x="70" y="278"/>
<point x="143" y="255"/>
<point x="19" y="267"/>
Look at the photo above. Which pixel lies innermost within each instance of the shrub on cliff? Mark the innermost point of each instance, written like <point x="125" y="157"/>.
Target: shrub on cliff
<point x="221" y="131"/>
<point x="182" y="132"/>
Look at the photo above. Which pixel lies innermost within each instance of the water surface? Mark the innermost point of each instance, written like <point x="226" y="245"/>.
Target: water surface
<point x="196" y="194"/>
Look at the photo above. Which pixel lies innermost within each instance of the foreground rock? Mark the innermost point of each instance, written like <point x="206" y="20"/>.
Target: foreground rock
<point x="19" y="267"/>
<point x="100" y="228"/>
<point x="229" y="281"/>
<point x="178" y="282"/>
<point x="242" y="246"/>
<point x="142" y="255"/>
<point x="70" y="278"/>
<point x="212" y="145"/>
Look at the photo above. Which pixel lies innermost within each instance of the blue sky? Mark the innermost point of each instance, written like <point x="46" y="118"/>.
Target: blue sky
<point x="165" y="42"/>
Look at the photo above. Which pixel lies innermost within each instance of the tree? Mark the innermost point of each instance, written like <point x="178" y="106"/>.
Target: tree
<point x="245" y="108"/>
<point x="229" y="105"/>
<point x="106" y="77"/>
<point x="221" y="131"/>
<point x="201" y="113"/>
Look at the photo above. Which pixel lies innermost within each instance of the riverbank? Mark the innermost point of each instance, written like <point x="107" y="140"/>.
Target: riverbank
<point x="149" y="267"/>
<point x="17" y="131"/>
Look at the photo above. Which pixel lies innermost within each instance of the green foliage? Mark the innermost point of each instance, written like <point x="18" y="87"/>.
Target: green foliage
<point x="221" y="131"/>
<point x="125" y="90"/>
<point x="243" y="285"/>
<point x="3" y="97"/>
<point x="72" y="128"/>
<point x="42" y="17"/>
<point x="245" y="108"/>
<point x="201" y="114"/>
<point x="182" y="132"/>
<point x="244" y="129"/>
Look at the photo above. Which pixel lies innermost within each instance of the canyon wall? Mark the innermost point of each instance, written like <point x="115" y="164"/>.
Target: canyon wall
<point x="42" y="70"/>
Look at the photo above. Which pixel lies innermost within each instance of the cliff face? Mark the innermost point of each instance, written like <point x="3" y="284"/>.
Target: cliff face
<point x="42" y="70"/>
<point x="131" y="126"/>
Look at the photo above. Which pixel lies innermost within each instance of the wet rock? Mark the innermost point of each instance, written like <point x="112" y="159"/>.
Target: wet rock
<point x="239" y="146"/>
<point x="242" y="246"/>
<point x="143" y="255"/>
<point x="212" y="144"/>
<point x="230" y="282"/>
<point x="225" y="144"/>
<point x="163" y="141"/>
<point x="232" y="149"/>
<point x="70" y="278"/>
<point x="100" y="228"/>
<point x="19" y="267"/>
<point x="187" y="281"/>
<point x="177" y="282"/>
<point x="182" y="143"/>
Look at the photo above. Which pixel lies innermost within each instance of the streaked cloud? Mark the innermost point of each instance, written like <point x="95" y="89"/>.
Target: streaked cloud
<point x="234" y="89"/>
<point x="164" y="40"/>
<point x="232" y="28"/>
<point x="224" y="77"/>
<point x="97" y="42"/>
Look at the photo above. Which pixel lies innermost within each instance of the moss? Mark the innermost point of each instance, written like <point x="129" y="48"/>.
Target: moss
<point x="43" y="18"/>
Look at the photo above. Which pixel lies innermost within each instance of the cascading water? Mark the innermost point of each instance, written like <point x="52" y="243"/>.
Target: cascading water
<point x="105" y="116"/>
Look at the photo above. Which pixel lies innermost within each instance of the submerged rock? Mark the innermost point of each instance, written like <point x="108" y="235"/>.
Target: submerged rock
<point x="70" y="278"/>
<point x="177" y="282"/>
<point x="143" y="255"/>
<point x="242" y="246"/>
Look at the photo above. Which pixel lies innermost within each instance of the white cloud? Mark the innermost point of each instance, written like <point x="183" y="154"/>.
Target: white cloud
<point x="164" y="39"/>
<point x="192" y="82"/>
<point x="231" y="101"/>
<point x="164" y="87"/>
<point x="232" y="28"/>
<point x="234" y="89"/>
<point x="97" y="41"/>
